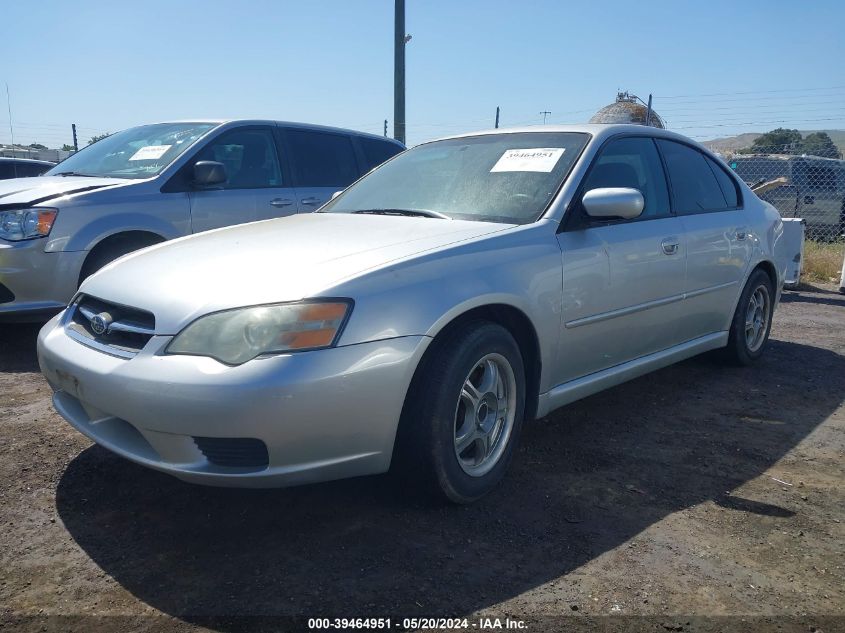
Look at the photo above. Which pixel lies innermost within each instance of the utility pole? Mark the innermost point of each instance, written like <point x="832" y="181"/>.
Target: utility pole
<point x="385" y="128"/>
<point x="399" y="41"/>
<point x="545" y="113"/>
<point x="648" y="111"/>
<point x="75" y="144"/>
<point x="497" y="117"/>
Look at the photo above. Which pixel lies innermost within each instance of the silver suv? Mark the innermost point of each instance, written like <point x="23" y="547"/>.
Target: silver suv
<point x="156" y="182"/>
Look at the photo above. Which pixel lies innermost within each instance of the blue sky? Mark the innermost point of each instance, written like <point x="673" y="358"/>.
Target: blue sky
<point x="111" y="65"/>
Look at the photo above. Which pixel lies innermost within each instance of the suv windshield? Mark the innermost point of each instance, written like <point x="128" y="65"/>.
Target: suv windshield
<point x="509" y="178"/>
<point x="139" y="152"/>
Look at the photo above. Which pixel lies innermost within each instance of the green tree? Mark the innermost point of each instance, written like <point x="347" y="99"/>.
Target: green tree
<point x="819" y="144"/>
<point x="98" y="137"/>
<point x="67" y="148"/>
<point x="779" y="141"/>
<point x="37" y="146"/>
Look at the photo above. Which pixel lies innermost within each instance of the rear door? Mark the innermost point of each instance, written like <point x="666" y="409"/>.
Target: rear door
<point x="254" y="181"/>
<point x="322" y="162"/>
<point x="709" y="205"/>
<point x="622" y="279"/>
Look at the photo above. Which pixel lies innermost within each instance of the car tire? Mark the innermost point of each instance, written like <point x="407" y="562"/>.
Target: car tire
<point x="463" y="415"/>
<point x="752" y="321"/>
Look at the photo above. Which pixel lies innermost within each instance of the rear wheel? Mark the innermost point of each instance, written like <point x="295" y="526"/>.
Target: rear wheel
<point x="752" y="320"/>
<point x="464" y="414"/>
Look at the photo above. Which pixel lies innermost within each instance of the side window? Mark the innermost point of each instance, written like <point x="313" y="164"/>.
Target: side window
<point x="322" y="159"/>
<point x="726" y="183"/>
<point x="29" y="169"/>
<point x="249" y="156"/>
<point x="694" y="186"/>
<point x="376" y="152"/>
<point x="7" y="170"/>
<point x="634" y="163"/>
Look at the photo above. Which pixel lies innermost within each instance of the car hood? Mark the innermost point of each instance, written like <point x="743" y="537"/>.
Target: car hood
<point x="41" y="189"/>
<point x="286" y="259"/>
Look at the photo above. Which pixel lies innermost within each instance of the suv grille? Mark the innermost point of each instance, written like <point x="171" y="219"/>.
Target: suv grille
<point x="238" y="452"/>
<point x="113" y="328"/>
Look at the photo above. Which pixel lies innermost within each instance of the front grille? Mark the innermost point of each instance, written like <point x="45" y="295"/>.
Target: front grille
<point x="127" y="330"/>
<point x="236" y="452"/>
<point x="6" y="295"/>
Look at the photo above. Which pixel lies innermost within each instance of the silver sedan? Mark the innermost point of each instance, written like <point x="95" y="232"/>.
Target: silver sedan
<point x="424" y="314"/>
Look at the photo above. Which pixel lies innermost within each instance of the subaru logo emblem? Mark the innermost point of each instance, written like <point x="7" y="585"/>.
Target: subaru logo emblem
<point x="100" y="323"/>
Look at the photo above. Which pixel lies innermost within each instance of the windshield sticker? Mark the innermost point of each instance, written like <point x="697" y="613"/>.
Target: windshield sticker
<point x="540" y="159"/>
<point x="150" y="152"/>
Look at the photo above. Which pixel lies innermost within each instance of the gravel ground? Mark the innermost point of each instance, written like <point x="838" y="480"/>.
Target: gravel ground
<point x="701" y="490"/>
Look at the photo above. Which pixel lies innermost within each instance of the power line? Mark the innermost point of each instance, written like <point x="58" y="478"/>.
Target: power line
<point x="750" y="92"/>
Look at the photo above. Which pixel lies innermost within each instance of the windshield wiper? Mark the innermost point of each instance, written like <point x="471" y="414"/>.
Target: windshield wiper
<point x="75" y="173"/>
<point x="419" y="213"/>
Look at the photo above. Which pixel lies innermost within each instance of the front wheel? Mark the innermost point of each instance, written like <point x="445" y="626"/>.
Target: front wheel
<point x="752" y="320"/>
<point x="464" y="413"/>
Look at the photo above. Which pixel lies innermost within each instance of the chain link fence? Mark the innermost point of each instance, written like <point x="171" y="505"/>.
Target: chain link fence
<point x="799" y="186"/>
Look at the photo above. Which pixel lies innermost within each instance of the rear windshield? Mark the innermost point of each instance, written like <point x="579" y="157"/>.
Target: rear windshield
<point x="509" y="178"/>
<point x="139" y="152"/>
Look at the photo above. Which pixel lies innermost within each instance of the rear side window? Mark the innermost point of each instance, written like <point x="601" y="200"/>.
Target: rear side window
<point x="726" y="183"/>
<point x="694" y="186"/>
<point x="322" y="159"/>
<point x="376" y="152"/>
<point x="26" y="170"/>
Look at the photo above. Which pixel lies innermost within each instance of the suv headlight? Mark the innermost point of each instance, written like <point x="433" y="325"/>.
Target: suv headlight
<point x="26" y="224"/>
<point x="236" y="336"/>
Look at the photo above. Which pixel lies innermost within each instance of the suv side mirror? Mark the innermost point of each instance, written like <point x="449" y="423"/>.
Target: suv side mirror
<point x="613" y="202"/>
<point x="209" y="172"/>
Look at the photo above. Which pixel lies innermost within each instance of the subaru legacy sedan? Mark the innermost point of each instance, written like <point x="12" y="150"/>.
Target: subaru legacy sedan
<point x="160" y="181"/>
<point x="420" y="317"/>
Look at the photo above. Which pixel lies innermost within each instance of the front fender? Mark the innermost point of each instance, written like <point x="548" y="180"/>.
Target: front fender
<point x="96" y="230"/>
<point x="520" y="268"/>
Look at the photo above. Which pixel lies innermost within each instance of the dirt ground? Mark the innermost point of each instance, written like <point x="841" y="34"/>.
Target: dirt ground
<point x="701" y="490"/>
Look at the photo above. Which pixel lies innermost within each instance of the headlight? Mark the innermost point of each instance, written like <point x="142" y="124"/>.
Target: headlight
<point x="236" y="336"/>
<point x="26" y="224"/>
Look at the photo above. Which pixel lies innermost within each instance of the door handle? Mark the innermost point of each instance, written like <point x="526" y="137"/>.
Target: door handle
<point x="311" y="201"/>
<point x="281" y="202"/>
<point x="741" y="234"/>
<point x="670" y="245"/>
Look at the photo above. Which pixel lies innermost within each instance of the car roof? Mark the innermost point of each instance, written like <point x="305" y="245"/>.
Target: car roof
<point x="288" y="124"/>
<point x="600" y="131"/>
<point x="30" y="161"/>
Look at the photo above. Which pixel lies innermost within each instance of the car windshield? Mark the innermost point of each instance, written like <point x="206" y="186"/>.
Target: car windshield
<point x="139" y="152"/>
<point x="509" y="178"/>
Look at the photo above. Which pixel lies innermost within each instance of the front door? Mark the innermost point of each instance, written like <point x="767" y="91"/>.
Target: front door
<point x="622" y="279"/>
<point x="254" y="189"/>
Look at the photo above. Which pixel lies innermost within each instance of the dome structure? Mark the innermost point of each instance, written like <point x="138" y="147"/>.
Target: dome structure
<point x="627" y="109"/>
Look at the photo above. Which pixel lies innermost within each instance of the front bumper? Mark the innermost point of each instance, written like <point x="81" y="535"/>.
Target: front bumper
<point x="38" y="281"/>
<point x="322" y="415"/>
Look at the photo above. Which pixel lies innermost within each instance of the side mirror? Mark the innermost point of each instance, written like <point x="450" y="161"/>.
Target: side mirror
<point x="209" y="172"/>
<point x="336" y="194"/>
<point x="613" y="202"/>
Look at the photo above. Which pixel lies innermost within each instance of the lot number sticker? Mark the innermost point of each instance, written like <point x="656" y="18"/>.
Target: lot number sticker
<point x="541" y="159"/>
<point x="150" y="152"/>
